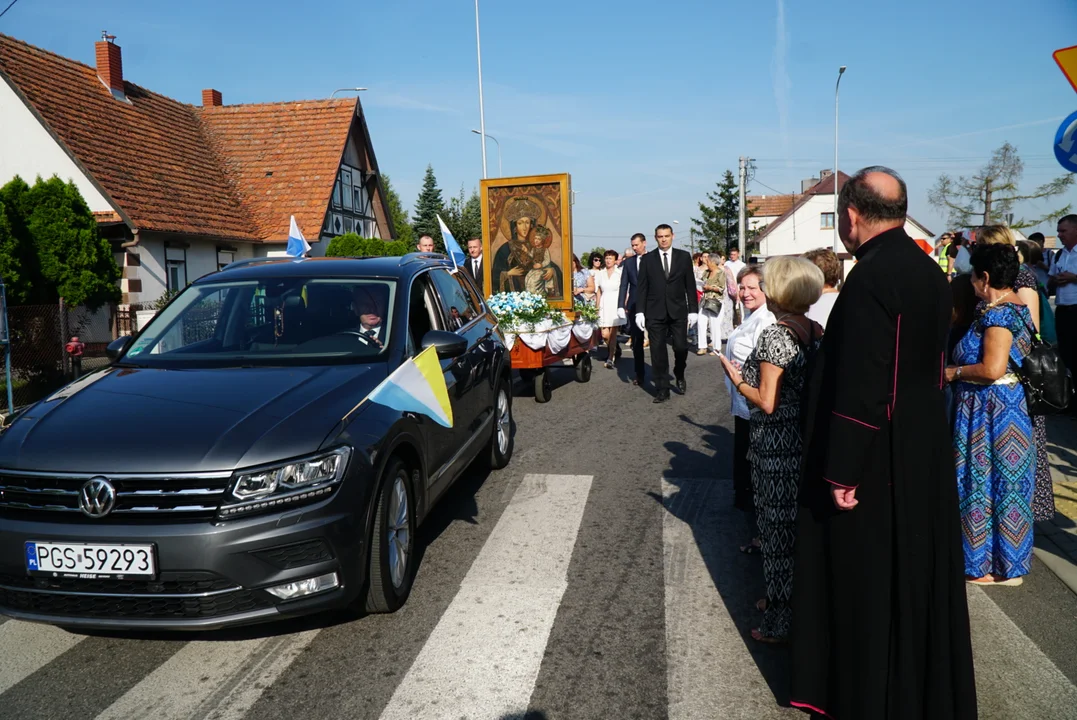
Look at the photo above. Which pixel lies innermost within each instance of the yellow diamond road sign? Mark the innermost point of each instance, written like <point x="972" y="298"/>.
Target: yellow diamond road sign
<point x="1067" y="60"/>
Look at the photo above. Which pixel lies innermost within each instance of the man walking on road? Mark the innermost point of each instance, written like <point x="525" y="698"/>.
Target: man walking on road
<point x="735" y="265"/>
<point x="1063" y="280"/>
<point x="666" y="306"/>
<point x="880" y="620"/>
<point x="627" y="307"/>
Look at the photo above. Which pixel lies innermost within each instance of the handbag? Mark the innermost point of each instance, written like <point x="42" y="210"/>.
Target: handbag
<point x="711" y="305"/>
<point x="1048" y="383"/>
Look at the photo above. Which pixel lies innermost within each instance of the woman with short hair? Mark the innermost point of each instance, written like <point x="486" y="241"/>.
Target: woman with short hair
<point x="993" y="447"/>
<point x="738" y="347"/>
<point x="608" y="286"/>
<point x="583" y="283"/>
<point x="772" y="381"/>
<point x="826" y="260"/>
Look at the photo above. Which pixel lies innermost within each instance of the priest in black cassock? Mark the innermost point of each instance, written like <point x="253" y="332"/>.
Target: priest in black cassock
<point x="880" y="622"/>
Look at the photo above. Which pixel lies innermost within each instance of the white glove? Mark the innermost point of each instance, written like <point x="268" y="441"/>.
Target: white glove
<point x="693" y="318"/>
<point x="640" y="320"/>
<point x="621" y="314"/>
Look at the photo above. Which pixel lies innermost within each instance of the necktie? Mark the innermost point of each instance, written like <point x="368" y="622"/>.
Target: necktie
<point x="665" y="264"/>
<point x="475" y="268"/>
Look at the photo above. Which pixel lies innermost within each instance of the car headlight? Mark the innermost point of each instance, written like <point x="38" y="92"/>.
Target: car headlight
<point x="284" y="484"/>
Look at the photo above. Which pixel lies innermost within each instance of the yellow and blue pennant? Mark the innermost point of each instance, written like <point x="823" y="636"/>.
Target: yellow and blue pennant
<point x="418" y="386"/>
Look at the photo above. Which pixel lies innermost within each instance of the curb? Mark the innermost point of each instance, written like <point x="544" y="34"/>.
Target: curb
<point x="1057" y="549"/>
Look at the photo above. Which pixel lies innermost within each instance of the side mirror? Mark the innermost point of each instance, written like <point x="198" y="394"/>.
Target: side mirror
<point x="117" y="347"/>
<point x="448" y="344"/>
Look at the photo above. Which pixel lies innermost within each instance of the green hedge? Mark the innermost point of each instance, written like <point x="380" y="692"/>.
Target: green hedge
<point x="352" y="245"/>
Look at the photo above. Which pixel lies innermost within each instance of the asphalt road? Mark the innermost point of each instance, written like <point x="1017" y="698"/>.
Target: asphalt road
<point x="596" y="577"/>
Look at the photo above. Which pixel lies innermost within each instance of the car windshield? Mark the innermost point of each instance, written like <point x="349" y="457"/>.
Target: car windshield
<point x="269" y="321"/>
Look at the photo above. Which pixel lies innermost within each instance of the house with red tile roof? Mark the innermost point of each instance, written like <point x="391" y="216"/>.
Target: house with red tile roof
<point x="182" y="190"/>
<point x="766" y="209"/>
<point x="808" y="223"/>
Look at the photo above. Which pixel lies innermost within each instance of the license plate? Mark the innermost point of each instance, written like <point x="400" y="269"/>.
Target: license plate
<point x="90" y="560"/>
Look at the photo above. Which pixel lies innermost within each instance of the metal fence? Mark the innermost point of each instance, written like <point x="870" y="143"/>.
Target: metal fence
<point x="39" y="334"/>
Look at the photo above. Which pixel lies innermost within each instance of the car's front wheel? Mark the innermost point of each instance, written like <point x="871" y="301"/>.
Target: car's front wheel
<point x="392" y="544"/>
<point x="501" y="440"/>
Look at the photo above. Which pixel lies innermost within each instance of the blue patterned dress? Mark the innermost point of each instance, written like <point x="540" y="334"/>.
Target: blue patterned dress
<point x="995" y="454"/>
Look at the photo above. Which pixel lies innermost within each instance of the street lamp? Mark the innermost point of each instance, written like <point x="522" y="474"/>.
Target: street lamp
<point x="482" y="115"/>
<point x="346" y="90"/>
<point x="498" y="149"/>
<point x="837" y="240"/>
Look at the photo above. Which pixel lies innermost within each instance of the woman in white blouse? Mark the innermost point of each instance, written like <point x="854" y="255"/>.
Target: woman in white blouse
<point x="738" y="347"/>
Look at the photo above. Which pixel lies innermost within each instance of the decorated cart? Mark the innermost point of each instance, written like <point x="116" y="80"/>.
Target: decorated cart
<point x="541" y="338"/>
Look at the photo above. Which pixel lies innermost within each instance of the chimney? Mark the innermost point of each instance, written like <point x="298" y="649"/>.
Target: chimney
<point x="109" y="63"/>
<point x="212" y="98"/>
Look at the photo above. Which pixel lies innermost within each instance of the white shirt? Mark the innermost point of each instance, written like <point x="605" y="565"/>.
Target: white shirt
<point x="665" y="260"/>
<point x="739" y="346"/>
<point x="736" y="266"/>
<point x="1065" y="261"/>
<point x="476" y="266"/>
<point x="820" y="311"/>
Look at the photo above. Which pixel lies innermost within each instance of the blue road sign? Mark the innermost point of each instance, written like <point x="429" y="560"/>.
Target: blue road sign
<point x="1066" y="143"/>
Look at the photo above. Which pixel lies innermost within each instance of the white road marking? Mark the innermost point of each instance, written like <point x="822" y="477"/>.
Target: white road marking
<point x="210" y="679"/>
<point x="1014" y="679"/>
<point x="484" y="655"/>
<point x="709" y="671"/>
<point x="25" y="648"/>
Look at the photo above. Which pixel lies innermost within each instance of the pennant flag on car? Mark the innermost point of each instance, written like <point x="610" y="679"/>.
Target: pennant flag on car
<point x="451" y="245"/>
<point x="297" y="244"/>
<point x="417" y="386"/>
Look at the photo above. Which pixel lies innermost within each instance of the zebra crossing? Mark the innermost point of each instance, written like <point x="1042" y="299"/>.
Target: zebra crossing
<point x="498" y="642"/>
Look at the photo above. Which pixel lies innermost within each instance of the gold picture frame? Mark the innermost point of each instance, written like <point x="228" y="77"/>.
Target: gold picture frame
<point x="539" y="207"/>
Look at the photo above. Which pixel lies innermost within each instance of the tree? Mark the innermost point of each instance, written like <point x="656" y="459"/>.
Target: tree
<point x="55" y="250"/>
<point x="76" y="263"/>
<point x="464" y="217"/>
<point x="397" y="216"/>
<point x="718" y="229"/>
<point x="427" y="206"/>
<point x="988" y="196"/>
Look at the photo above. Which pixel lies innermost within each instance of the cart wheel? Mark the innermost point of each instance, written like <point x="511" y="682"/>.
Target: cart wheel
<point x="543" y="388"/>
<point x="583" y="368"/>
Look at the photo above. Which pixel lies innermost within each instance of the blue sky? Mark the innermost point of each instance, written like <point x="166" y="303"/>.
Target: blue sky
<point x="645" y="104"/>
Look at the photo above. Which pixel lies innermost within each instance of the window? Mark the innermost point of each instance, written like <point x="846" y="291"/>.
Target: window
<point x="224" y="258"/>
<point x="346" y="188"/>
<point x="456" y="298"/>
<point x="175" y="268"/>
<point x="336" y="194"/>
<point x="270" y="321"/>
<point x="826" y="221"/>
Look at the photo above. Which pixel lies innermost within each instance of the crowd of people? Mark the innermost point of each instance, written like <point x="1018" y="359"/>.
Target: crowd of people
<point x="882" y="437"/>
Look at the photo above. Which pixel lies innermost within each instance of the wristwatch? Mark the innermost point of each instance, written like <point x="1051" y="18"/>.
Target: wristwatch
<point x="957" y="373"/>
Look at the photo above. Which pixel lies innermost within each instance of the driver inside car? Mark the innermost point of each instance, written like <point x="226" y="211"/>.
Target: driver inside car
<point x="368" y="303"/>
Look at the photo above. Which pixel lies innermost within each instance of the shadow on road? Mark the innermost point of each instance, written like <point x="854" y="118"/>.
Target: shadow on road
<point x="703" y="500"/>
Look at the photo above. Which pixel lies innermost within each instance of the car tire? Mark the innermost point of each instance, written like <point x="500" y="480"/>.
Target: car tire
<point x="392" y="541"/>
<point x="499" y="452"/>
<point x="543" y="387"/>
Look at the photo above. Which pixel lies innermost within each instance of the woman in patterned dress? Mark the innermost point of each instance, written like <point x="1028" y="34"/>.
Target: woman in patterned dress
<point x="772" y="381"/>
<point x="993" y="446"/>
<point x="1026" y="287"/>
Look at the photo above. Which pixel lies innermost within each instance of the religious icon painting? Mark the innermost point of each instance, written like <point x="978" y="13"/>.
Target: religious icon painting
<point x="527" y="234"/>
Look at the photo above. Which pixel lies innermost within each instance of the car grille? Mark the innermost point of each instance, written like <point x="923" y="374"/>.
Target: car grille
<point x="179" y="496"/>
<point x="174" y="596"/>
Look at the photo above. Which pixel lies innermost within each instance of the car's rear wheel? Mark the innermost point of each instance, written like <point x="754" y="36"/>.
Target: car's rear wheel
<point x="392" y="543"/>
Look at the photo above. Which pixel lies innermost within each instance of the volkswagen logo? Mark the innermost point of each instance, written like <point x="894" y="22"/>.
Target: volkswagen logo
<point x="97" y="497"/>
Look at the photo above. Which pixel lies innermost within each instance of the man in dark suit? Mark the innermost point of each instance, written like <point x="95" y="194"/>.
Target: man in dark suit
<point x="626" y="302"/>
<point x="666" y="305"/>
<point x="473" y="263"/>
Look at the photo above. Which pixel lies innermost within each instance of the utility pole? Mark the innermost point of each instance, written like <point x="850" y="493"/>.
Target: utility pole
<point x="692" y="239"/>
<point x="741" y="230"/>
<point x="987" y="201"/>
<point x="482" y="114"/>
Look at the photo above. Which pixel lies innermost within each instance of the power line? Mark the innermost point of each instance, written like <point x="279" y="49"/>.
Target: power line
<point x="10" y="5"/>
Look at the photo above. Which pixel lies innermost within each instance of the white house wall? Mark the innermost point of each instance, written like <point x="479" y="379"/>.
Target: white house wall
<point x="803" y="231"/>
<point x="201" y="259"/>
<point x="28" y="150"/>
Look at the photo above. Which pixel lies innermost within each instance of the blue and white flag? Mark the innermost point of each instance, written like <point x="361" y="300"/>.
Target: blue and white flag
<point x="297" y="244"/>
<point x="451" y="246"/>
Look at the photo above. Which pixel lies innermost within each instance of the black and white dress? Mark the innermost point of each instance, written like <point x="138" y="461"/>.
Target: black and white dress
<point x="774" y="453"/>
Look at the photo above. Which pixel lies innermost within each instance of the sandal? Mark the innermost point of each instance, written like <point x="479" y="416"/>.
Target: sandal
<point x="752" y="547"/>
<point x="761" y="604"/>
<point x="760" y="637"/>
